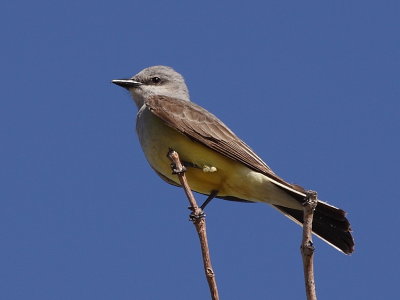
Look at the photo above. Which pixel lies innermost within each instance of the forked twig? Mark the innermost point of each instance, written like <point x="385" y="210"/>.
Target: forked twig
<point x="307" y="248"/>
<point x="199" y="221"/>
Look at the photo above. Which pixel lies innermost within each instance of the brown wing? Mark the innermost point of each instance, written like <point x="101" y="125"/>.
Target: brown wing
<point x="200" y="125"/>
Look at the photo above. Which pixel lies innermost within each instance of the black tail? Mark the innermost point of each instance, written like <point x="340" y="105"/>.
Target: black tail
<point x="329" y="223"/>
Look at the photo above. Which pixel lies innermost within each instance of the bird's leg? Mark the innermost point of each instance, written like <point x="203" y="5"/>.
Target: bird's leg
<point x="193" y="216"/>
<point x="209" y="198"/>
<point x="190" y="165"/>
<point x="214" y="193"/>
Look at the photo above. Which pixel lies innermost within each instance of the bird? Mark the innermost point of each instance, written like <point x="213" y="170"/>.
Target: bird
<point x="218" y="163"/>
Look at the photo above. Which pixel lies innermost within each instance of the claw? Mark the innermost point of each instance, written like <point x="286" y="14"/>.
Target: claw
<point x="195" y="217"/>
<point x="177" y="171"/>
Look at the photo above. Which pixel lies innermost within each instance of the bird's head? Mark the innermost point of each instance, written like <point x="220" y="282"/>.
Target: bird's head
<point x="156" y="80"/>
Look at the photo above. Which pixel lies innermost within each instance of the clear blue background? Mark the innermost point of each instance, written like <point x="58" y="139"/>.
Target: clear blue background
<point x="312" y="86"/>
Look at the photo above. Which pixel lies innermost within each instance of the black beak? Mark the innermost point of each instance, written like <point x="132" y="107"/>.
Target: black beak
<point x="127" y="83"/>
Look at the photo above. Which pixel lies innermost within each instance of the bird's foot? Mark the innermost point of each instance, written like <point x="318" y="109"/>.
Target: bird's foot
<point x="196" y="215"/>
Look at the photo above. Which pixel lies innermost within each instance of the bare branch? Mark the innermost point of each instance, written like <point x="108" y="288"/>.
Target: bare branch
<point x="307" y="248"/>
<point x="198" y="218"/>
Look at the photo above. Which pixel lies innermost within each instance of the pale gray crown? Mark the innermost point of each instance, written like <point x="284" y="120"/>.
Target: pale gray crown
<point x="161" y="81"/>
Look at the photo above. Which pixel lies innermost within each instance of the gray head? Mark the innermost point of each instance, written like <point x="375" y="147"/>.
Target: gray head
<point x="156" y="80"/>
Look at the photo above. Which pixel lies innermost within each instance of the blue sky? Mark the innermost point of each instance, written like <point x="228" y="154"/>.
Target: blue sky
<point x="311" y="86"/>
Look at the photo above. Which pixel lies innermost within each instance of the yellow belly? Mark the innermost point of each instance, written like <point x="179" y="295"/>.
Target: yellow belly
<point x="214" y="172"/>
<point x="156" y="139"/>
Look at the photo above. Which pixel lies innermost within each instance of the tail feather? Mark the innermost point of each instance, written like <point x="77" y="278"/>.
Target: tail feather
<point x="329" y="223"/>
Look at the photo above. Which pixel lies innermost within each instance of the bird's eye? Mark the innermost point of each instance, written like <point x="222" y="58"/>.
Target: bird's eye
<point x="155" y="79"/>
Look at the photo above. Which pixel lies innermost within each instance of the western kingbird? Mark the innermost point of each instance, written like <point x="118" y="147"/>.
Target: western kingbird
<point x="218" y="162"/>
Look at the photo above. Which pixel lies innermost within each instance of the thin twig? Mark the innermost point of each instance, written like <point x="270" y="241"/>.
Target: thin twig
<point x="199" y="221"/>
<point x="307" y="248"/>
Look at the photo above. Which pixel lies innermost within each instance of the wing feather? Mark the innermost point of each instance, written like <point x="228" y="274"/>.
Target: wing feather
<point x="200" y="125"/>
